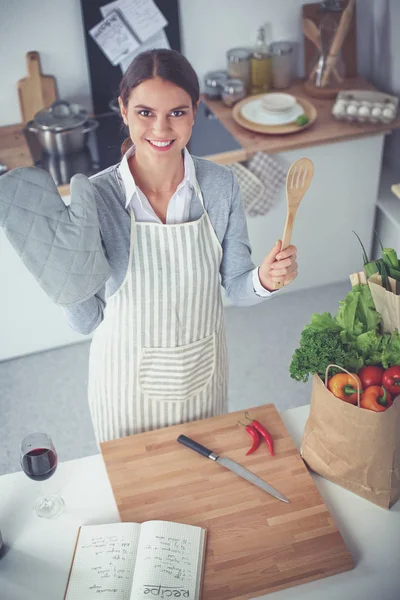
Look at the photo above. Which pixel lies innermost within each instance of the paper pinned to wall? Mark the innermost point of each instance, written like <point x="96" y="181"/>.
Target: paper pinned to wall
<point x="114" y="37"/>
<point x="159" y="40"/>
<point x="143" y="16"/>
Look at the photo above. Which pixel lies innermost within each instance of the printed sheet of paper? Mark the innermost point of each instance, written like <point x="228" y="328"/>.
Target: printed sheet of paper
<point x="104" y="562"/>
<point x="169" y="561"/>
<point x="159" y="40"/>
<point x="114" y="37"/>
<point x="143" y="16"/>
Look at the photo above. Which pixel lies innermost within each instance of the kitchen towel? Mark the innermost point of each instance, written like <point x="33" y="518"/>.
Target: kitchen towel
<point x="260" y="181"/>
<point x="59" y="244"/>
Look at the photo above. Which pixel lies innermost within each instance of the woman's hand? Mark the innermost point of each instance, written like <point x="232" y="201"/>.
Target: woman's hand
<point x="278" y="266"/>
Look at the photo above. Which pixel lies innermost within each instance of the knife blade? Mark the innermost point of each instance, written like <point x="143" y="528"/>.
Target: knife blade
<point x="233" y="466"/>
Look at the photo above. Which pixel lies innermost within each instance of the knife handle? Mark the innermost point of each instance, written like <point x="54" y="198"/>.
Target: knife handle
<point x="186" y="441"/>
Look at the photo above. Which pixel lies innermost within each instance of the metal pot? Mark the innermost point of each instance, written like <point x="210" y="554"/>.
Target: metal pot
<point x="61" y="143"/>
<point x="63" y="168"/>
<point x="62" y="128"/>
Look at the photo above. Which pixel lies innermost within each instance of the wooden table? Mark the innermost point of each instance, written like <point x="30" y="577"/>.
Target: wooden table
<point x="37" y="563"/>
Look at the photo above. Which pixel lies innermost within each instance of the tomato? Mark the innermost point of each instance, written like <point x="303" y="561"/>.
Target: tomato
<point x="371" y="376"/>
<point x="391" y="379"/>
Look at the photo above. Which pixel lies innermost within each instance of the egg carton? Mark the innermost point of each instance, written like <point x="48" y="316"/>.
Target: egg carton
<point x="365" y="106"/>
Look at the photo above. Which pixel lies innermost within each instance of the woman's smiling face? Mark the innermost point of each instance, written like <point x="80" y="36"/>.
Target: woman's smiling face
<point x="160" y="118"/>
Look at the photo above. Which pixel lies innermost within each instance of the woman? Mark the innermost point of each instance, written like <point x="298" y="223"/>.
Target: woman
<point x="172" y="227"/>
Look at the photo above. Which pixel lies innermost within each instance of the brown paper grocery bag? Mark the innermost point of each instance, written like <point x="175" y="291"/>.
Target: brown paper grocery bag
<point x="356" y="448"/>
<point x="386" y="303"/>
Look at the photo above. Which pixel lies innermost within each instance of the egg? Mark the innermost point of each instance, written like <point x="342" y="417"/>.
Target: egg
<point x="376" y="112"/>
<point x="339" y="109"/>
<point x="388" y="113"/>
<point x="363" y="111"/>
<point x="352" y="110"/>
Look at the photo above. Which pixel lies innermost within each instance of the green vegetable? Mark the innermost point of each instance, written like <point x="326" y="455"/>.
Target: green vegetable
<point x="350" y="339"/>
<point x="302" y="120"/>
<point x="389" y="257"/>
<point x="318" y="349"/>
<point x="370" y="267"/>
<point x="357" y="313"/>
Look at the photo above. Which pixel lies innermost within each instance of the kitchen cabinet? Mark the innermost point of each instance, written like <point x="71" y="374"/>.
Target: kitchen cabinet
<point x="341" y="198"/>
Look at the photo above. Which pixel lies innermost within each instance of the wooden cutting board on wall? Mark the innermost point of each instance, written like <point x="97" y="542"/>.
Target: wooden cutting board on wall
<point x="36" y="91"/>
<point x="256" y="543"/>
<point x="349" y="48"/>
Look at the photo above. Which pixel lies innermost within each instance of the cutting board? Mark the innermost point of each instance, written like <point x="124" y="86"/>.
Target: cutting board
<point x="256" y="543"/>
<point x="36" y="91"/>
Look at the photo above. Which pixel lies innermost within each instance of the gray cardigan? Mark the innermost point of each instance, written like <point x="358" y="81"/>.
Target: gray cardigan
<point x="223" y="203"/>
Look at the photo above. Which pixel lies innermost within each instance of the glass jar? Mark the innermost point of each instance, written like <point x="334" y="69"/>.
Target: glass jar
<point x="260" y="66"/>
<point x="282" y="64"/>
<point x="214" y="83"/>
<point x="239" y="64"/>
<point x="234" y="90"/>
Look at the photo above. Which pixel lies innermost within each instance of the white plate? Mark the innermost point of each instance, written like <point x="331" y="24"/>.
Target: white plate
<point x="276" y="102"/>
<point x="256" y="113"/>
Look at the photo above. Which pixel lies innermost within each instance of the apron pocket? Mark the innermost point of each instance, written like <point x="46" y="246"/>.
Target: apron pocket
<point x="176" y="374"/>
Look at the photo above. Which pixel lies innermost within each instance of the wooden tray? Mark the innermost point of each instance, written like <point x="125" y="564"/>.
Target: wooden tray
<point x="309" y="110"/>
<point x="256" y="543"/>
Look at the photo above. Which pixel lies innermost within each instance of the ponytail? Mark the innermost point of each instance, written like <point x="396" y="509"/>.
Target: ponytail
<point x="126" y="144"/>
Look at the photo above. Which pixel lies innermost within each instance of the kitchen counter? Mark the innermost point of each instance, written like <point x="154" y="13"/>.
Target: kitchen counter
<point x="38" y="558"/>
<point x="325" y="130"/>
<point x="14" y="151"/>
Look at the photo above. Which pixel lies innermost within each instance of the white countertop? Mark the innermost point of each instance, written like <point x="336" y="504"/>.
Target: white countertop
<point x="39" y="553"/>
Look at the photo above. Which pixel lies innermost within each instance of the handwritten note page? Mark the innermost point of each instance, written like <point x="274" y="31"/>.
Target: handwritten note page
<point x="114" y="37"/>
<point x="169" y="561"/>
<point x="104" y="562"/>
<point x="143" y="16"/>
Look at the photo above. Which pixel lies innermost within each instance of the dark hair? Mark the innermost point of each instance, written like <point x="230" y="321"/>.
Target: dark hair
<point x="169" y="65"/>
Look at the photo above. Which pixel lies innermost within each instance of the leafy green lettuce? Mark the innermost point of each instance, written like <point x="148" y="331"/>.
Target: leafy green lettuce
<point x="350" y="339"/>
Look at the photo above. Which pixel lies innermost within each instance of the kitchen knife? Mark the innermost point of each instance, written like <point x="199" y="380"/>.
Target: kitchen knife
<point x="232" y="466"/>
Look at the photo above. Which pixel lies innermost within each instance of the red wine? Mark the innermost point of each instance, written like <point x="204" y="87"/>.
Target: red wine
<point x="39" y="464"/>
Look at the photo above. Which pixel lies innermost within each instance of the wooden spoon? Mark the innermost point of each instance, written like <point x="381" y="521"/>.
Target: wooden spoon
<point x="298" y="181"/>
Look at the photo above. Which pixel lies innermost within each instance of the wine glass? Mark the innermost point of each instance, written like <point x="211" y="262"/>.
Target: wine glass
<point x="39" y="462"/>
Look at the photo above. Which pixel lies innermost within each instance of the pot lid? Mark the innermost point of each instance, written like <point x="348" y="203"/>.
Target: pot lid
<point x="61" y="115"/>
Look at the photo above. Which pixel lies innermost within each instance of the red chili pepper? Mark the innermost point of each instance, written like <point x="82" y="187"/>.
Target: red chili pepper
<point x="255" y="435"/>
<point x="264" y="432"/>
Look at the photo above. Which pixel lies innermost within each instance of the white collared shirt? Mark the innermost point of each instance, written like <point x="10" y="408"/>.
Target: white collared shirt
<point x="178" y="206"/>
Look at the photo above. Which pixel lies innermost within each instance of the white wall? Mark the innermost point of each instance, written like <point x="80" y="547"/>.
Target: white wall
<point x="209" y="27"/>
<point x="52" y="27"/>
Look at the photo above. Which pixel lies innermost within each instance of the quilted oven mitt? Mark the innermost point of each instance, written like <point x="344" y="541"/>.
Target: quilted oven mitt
<point x="59" y="244"/>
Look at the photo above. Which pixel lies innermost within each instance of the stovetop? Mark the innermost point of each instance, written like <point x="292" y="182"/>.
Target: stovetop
<point x="104" y="146"/>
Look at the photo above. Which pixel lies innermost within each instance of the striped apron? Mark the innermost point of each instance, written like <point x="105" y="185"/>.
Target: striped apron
<point x="159" y="356"/>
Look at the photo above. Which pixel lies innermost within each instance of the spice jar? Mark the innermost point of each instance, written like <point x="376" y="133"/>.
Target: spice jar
<point x="214" y="82"/>
<point x="239" y="64"/>
<point x="234" y="90"/>
<point x="282" y="64"/>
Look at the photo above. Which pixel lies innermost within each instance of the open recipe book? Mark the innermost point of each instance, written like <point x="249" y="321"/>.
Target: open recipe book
<point x="131" y="561"/>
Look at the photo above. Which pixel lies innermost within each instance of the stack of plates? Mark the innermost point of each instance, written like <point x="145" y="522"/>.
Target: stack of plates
<point x="272" y="109"/>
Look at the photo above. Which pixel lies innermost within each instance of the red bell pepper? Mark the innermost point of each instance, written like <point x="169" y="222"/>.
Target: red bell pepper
<point x="391" y="379"/>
